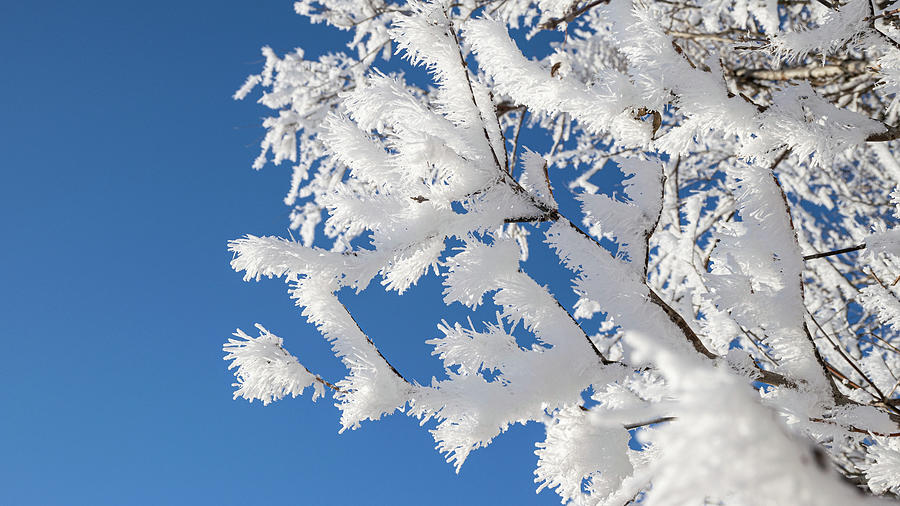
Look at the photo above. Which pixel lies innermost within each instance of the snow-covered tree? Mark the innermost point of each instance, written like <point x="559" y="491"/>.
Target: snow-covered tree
<point x="718" y="178"/>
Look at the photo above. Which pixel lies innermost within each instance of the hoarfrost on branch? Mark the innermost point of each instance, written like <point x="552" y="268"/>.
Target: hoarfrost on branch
<point x="717" y="177"/>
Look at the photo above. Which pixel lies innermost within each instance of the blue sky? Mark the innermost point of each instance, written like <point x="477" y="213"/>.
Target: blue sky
<point x="126" y="169"/>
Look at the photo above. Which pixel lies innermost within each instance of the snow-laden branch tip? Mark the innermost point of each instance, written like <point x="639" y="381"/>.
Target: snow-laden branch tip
<point x="266" y="371"/>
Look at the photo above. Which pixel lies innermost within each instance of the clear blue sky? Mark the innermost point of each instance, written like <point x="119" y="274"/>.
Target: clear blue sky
<point x="126" y="169"/>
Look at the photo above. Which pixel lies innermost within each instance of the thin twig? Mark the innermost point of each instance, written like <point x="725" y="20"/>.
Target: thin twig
<point x="552" y="23"/>
<point x="835" y="252"/>
<point x="649" y="422"/>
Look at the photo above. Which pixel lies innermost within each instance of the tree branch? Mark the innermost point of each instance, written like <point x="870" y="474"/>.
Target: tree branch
<point x="851" y="67"/>
<point x="552" y="23"/>
<point x="835" y="252"/>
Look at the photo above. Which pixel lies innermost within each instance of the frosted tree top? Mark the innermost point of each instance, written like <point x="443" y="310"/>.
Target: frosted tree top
<point x="716" y="177"/>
